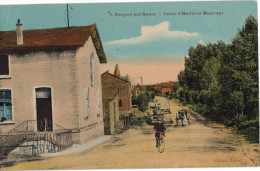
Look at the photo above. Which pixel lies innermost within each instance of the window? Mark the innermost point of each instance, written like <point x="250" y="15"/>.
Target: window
<point x="86" y="102"/>
<point x="5" y="105"/>
<point x="98" y="101"/>
<point x="4" y="64"/>
<point x="120" y="103"/>
<point x="92" y="69"/>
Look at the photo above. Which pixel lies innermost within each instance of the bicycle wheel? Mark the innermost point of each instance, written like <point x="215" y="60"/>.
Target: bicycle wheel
<point x="161" y="144"/>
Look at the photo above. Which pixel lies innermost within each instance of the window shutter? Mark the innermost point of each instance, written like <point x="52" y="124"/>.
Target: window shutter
<point x="98" y="101"/>
<point x="92" y="69"/>
<point x="86" y="102"/>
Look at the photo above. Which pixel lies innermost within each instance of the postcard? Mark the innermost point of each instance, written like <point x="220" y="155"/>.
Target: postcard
<point x="129" y="85"/>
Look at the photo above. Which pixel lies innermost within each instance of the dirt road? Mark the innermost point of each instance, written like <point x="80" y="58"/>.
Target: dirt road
<point x="200" y="144"/>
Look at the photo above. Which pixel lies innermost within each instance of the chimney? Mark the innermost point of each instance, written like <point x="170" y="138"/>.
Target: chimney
<point x="117" y="71"/>
<point x="19" y="33"/>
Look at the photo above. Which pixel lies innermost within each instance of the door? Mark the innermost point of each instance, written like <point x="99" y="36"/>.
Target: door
<point x="44" y="109"/>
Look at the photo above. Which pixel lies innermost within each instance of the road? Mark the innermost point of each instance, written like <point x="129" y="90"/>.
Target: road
<point x="201" y="144"/>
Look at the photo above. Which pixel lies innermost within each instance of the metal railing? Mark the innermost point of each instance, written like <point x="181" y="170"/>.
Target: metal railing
<point x="57" y="137"/>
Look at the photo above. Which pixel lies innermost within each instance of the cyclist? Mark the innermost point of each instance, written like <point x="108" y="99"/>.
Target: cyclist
<point x="159" y="127"/>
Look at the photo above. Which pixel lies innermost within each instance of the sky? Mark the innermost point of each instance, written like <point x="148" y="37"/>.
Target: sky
<point x="149" y="39"/>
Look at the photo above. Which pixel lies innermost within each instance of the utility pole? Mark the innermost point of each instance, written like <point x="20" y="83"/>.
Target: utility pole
<point x="68" y="19"/>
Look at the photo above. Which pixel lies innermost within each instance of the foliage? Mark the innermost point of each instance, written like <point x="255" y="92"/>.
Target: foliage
<point x="142" y="102"/>
<point x="251" y="130"/>
<point x="152" y="95"/>
<point x="150" y="88"/>
<point x="139" y="121"/>
<point x="220" y="80"/>
<point x="134" y="100"/>
<point x="148" y="96"/>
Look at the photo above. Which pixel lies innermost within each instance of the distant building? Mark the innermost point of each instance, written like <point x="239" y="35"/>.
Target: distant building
<point x="114" y="87"/>
<point x="138" y="89"/>
<point x="49" y="79"/>
<point x="165" y="88"/>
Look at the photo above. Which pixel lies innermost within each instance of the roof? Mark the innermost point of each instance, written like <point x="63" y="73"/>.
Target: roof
<point x="168" y="84"/>
<point x="68" y="38"/>
<point x="107" y="73"/>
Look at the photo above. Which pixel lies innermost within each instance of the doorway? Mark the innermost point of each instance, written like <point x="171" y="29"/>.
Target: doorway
<point x="44" y="109"/>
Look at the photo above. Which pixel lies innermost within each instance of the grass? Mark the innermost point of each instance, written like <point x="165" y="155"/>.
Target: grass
<point x="250" y="129"/>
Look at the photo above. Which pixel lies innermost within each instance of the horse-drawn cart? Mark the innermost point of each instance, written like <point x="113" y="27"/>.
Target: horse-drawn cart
<point x="184" y="116"/>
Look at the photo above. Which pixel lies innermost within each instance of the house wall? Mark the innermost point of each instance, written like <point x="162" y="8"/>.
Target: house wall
<point x="112" y="85"/>
<point x="93" y="126"/>
<point x="111" y="115"/>
<point x="165" y="90"/>
<point x="56" y="70"/>
<point x="125" y="95"/>
<point x="114" y="115"/>
<point x="106" y="110"/>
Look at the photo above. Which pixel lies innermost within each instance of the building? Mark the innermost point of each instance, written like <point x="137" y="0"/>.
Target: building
<point x="139" y="89"/>
<point x="111" y="115"/>
<point x="114" y="88"/>
<point x="165" y="88"/>
<point x="50" y="80"/>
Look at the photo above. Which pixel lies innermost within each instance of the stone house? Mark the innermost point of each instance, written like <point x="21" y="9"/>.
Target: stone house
<point x="111" y="115"/>
<point x="51" y="77"/>
<point x="117" y="92"/>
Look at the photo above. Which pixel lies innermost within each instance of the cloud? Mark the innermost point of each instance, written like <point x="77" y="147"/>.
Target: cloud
<point x="150" y="33"/>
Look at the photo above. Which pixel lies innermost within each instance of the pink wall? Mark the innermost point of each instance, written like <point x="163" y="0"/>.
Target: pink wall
<point x="66" y="73"/>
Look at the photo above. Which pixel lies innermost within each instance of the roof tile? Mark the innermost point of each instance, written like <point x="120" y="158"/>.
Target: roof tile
<point x="46" y="39"/>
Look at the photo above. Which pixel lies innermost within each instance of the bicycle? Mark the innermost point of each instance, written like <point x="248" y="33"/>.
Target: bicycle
<point x="160" y="142"/>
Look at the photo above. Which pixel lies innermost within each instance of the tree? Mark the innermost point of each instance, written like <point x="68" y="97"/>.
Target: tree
<point x="148" y="96"/>
<point x="244" y="68"/>
<point x="142" y="102"/>
<point x="134" y="100"/>
<point x="221" y="80"/>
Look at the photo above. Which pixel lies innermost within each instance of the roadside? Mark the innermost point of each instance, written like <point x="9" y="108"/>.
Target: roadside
<point x="200" y="144"/>
<point x="250" y="151"/>
<point x="13" y="159"/>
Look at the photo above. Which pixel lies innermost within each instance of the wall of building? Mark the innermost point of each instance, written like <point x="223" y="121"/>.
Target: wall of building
<point x="165" y="90"/>
<point x="106" y="110"/>
<point x="113" y="86"/>
<point x="111" y="116"/>
<point x="92" y="126"/>
<point x="56" y="70"/>
<point x="125" y="95"/>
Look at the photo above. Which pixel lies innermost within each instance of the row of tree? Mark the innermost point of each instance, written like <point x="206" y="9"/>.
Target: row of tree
<point x="221" y="80"/>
